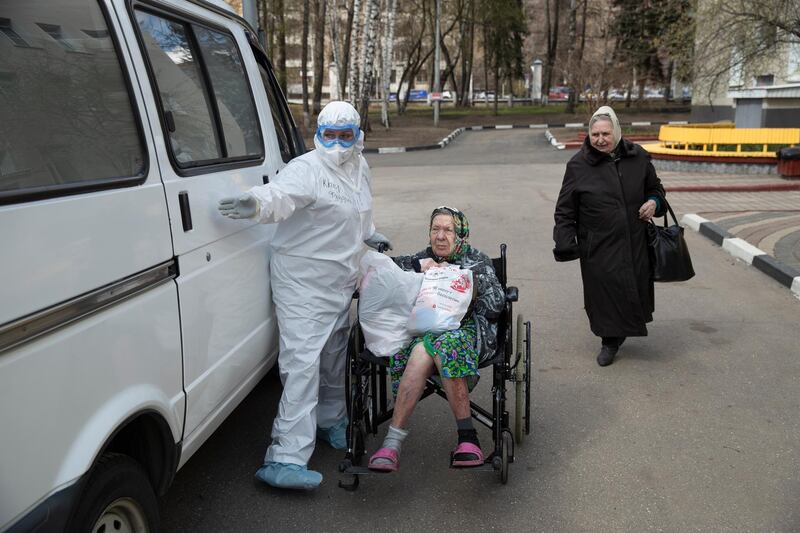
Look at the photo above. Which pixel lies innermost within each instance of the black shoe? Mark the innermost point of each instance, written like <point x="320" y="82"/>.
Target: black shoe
<point x="621" y="340"/>
<point x="606" y="355"/>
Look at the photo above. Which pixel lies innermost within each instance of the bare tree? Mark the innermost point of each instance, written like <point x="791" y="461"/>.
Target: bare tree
<point x="304" y="65"/>
<point x="368" y="63"/>
<point x="388" y="54"/>
<point x="333" y="26"/>
<point x="572" y="62"/>
<point x="552" y="43"/>
<point x="319" y="54"/>
<point x="353" y="51"/>
<point x="280" y="49"/>
<point x="467" y="44"/>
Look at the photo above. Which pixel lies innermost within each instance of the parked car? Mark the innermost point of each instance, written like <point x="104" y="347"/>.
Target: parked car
<point x="133" y="317"/>
<point x="617" y="94"/>
<point x="558" y="94"/>
<point x="483" y="95"/>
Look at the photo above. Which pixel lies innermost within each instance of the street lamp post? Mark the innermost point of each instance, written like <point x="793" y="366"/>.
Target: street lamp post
<point x="436" y="81"/>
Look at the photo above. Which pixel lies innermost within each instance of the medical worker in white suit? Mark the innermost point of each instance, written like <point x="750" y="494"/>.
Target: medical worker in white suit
<point x="323" y="206"/>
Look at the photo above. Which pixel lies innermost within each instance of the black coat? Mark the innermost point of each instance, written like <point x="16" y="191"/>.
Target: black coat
<point x="597" y="221"/>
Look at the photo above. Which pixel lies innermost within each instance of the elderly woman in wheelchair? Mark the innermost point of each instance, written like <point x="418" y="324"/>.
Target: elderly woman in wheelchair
<point x="454" y="354"/>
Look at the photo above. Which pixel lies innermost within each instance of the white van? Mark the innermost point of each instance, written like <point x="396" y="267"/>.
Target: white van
<point x="133" y="317"/>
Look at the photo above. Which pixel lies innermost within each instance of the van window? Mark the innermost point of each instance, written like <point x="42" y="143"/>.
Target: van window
<point x="207" y="106"/>
<point x="237" y="112"/>
<point x="281" y="129"/>
<point x="68" y="123"/>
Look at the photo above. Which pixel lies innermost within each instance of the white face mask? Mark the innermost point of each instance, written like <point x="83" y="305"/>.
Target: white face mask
<point x="336" y="154"/>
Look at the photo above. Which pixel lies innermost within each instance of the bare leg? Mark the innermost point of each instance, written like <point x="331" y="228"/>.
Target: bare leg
<point x="412" y="384"/>
<point x="457" y="393"/>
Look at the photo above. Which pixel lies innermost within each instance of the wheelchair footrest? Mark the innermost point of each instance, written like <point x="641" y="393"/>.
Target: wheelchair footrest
<point x="363" y="470"/>
<point x="486" y="466"/>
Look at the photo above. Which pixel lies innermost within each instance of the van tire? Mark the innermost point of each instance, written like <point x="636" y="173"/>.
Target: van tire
<point x="118" y="493"/>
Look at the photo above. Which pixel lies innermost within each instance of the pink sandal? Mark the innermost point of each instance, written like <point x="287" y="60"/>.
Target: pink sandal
<point x="467" y="454"/>
<point x="385" y="453"/>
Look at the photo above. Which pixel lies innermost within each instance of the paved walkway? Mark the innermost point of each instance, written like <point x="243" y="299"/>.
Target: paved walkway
<point x="769" y="220"/>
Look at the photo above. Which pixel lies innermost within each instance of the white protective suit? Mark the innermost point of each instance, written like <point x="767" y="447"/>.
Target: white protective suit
<point x="324" y="210"/>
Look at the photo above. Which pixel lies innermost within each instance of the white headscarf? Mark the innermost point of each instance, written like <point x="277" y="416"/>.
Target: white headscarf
<point x="606" y="113"/>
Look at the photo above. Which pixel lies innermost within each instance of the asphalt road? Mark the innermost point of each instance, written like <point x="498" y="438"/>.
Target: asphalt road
<point x="694" y="428"/>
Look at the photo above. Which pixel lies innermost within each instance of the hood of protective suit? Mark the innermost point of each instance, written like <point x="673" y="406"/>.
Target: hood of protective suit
<point x="605" y="112"/>
<point x="344" y="161"/>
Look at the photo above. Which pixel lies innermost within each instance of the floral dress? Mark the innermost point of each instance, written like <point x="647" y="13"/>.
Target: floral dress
<point x="460" y="350"/>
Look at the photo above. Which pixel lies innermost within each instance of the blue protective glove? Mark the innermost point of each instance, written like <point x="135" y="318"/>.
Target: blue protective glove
<point x="244" y="206"/>
<point x="378" y="239"/>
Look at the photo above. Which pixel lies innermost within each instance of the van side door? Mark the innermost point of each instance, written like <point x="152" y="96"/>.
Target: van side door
<point x="214" y="141"/>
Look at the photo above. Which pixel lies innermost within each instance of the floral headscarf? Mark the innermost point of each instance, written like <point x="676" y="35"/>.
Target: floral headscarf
<point x="461" y="245"/>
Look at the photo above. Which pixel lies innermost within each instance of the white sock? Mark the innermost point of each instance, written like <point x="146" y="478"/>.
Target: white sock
<point x="394" y="440"/>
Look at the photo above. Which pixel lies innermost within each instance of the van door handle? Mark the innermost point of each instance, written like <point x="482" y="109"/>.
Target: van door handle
<point x="186" y="212"/>
<point x="266" y="180"/>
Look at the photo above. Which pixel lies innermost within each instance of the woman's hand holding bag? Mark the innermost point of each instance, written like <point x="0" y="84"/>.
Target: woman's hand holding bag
<point x="669" y="255"/>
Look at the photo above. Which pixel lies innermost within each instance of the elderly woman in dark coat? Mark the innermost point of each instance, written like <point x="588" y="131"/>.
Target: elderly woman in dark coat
<point x="454" y="354"/>
<point x="610" y="192"/>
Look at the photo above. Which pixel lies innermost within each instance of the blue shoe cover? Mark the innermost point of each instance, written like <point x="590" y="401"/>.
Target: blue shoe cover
<point x="335" y="435"/>
<point x="288" y="476"/>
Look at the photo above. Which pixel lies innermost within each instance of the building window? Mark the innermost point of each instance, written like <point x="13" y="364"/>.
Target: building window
<point x="8" y="30"/>
<point x="96" y="34"/>
<point x="737" y="69"/>
<point x="765" y="80"/>
<point x="54" y="31"/>
<point x="793" y="65"/>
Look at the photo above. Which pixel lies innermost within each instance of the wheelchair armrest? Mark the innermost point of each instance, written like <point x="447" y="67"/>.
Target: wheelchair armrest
<point x="512" y="294"/>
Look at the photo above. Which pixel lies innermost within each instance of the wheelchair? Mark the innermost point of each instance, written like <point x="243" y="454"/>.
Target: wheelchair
<point x="368" y="388"/>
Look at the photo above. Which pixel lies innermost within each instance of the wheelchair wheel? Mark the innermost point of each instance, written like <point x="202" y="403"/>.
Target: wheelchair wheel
<point x="357" y="389"/>
<point x="507" y="454"/>
<point x="520" y="379"/>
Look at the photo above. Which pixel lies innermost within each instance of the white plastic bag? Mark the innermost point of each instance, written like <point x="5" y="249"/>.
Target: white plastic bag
<point x="386" y="296"/>
<point x="442" y="301"/>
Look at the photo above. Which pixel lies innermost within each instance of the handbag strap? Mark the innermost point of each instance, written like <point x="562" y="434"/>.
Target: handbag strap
<point x="670" y="211"/>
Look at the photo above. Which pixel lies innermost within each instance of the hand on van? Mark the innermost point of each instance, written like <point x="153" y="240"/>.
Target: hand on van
<point x="244" y="206"/>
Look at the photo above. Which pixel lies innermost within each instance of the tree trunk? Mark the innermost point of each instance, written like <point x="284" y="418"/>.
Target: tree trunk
<point x="572" y="67"/>
<point x="388" y="55"/>
<point x="552" y="44"/>
<point x="370" y="29"/>
<point x="346" y="53"/>
<point x="280" y="59"/>
<point x="319" y="55"/>
<point x="496" y="84"/>
<point x="304" y="65"/>
<point x="333" y="26"/>
<point x="353" y="55"/>
<point x="467" y="54"/>
<point x="583" y="31"/>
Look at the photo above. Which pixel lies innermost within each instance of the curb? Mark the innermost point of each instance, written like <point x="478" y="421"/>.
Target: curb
<point x="787" y="276"/>
<point x="401" y="149"/>
<point x="761" y="187"/>
<point x="455" y="133"/>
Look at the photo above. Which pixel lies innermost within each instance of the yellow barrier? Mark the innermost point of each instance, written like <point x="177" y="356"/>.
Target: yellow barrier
<point x="722" y="140"/>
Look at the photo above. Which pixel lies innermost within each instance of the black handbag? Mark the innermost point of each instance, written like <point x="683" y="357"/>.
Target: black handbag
<point x="669" y="255"/>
